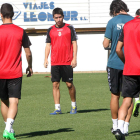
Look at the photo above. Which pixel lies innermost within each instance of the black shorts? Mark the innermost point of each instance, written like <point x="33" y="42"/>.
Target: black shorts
<point x="64" y="71"/>
<point x="115" y="80"/>
<point x="131" y="86"/>
<point x="10" y="88"/>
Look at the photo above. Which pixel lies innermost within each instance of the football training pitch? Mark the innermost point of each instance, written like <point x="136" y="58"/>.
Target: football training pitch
<point x="92" y="122"/>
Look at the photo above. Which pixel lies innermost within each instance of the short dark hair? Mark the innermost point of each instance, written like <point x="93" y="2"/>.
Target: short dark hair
<point x="117" y="6"/>
<point x="138" y="12"/>
<point x="57" y="11"/>
<point x="7" y="10"/>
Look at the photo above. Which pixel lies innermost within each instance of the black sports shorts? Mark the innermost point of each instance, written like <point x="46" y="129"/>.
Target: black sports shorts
<point x="131" y="86"/>
<point x="10" y="88"/>
<point x="115" y="80"/>
<point x="64" y="71"/>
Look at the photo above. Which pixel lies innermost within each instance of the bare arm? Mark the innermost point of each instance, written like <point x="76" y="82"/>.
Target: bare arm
<point x="106" y="42"/>
<point x="29" y="70"/>
<point x="119" y="51"/>
<point x="74" y="60"/>
<point x="47" y="52"/>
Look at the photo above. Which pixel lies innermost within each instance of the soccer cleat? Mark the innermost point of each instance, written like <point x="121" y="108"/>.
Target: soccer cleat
<point x="56" y="112"/>
<point x="136" y="108"/>
<point x="73" y="110"/>
<point x="9" y="136"/>
<point x="113" y="131"/>
<point x="126" y="134"/>
<point x="119" y="135"/>
<point x="12" y="131"/>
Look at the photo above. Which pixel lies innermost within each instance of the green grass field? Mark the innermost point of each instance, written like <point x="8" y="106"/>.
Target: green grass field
<point x="92" y="122"/>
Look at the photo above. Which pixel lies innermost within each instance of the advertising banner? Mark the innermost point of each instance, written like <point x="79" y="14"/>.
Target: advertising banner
<point x="37" y="14"/>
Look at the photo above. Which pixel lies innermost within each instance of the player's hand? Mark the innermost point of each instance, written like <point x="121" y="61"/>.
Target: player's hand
<point x="74" y="63"/>
<point x="29" y="72"/>
<point x="46" y="63"/>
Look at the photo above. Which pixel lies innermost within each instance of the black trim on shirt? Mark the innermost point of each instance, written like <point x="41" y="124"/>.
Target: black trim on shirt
<point x="121" y="37"/>
<point x="73" y="33"/>
<point x="25" y="40"/>
<point x="7" y="23"/>
<point x="48" y="39"/>
<point x="60" y="27"/>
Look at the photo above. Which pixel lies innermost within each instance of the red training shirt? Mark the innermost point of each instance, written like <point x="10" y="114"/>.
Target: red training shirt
<point x="61" y="44"/>
<point x="131" y="38"/>
<point x="12" y="38"/>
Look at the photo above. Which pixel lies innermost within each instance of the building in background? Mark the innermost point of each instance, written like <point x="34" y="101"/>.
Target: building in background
<point x="89" y="17"/>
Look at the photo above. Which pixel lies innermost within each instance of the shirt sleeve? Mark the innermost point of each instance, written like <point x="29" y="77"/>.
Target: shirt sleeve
<point x="108" y="32"/>
<point x="25" y="40"/>
<point x="73" y="33"/>
<point x="121" y="37"/>
<point x="48" y="39"/>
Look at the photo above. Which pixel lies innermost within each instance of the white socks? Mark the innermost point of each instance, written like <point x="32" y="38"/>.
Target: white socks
<point x="121" y="125"/>
<point x="9" y="124"/>
<point x="126" y="125"/>
<point x="57" y="107"/>
<point x="136" y="99"/>
<point x="115" y="124"/>
<point x="12" y="130"/>
<point x="73" y="104"/>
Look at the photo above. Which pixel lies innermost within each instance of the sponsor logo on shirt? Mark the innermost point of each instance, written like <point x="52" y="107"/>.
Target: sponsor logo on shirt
<point x="59" y="30"/>
<point x="120" y="26"/>
<point x="59" y="33"/>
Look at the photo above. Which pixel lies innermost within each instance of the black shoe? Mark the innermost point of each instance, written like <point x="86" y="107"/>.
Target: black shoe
<point x="113" y="131"/>
<point x="126" y="134"/>
<point x="119" y="135"/>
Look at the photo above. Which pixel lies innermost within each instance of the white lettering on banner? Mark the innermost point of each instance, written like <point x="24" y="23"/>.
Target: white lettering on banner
<point x="43" y="16"/>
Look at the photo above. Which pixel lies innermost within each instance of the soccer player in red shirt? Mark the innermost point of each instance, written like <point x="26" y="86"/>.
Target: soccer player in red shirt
<point x="61" y="38"/>
<point x="137" y="101"/>
<point x="131" y="73"/>
<point x="12" y="38"/>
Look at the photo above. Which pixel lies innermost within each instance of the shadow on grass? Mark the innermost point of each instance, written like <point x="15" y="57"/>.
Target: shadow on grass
<point x="91" y="110"/>
<point x="134" y="133"/>
<point x="42" y="133"/>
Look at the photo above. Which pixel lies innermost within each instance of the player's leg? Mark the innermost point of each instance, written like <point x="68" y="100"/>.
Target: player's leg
<point x="123" y="110"/>
<point x="115" y="82"/>
<point x="12" y="112"/>
<point x="127" y="120"/>
<point x="4" y="109"/>
<point x="56" y="92"/>
<point x="11" y="115"/>
<point x="114" y="107"/>
<point x="55" y="78"/>
<point x="72" y="93"/>
<point x="4" y="98"/>
<point x="129" y="91"/>
<point x="56" y="96"/>
<point x="14" y="94"/>
<point x="67" y="76"/>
